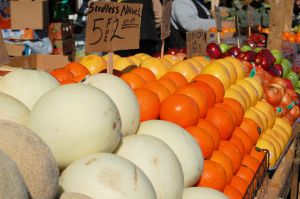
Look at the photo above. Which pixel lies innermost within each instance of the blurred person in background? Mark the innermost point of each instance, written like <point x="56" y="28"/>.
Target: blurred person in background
<point x="188" y="15"/>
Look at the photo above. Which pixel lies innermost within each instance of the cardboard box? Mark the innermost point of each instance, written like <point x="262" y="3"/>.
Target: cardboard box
<point x="14" y="50"/>
<point x="31" y="14"/>
<point x="61" y="30"/>
<point x="63" y="47"/>
<point x="40" y="62"/>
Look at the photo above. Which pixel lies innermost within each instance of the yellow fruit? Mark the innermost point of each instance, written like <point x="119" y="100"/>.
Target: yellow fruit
<point x="137" y="61"/>
<point x="254" y="116"/>
<point x="115" y="57"/>
<point x="93" y="63"/>
<point x="243" y="92"/>
<point x="186" y="69"/>
<point x="250" y="89"/>
<point x="284" y="124"/>
<point x="256" y="83"/>
<point x="231" y="93"/>
<point x="196" y="64"/>
<point x="262" y="116"/>
<point x="268" y="110"/>
<point x="278" y="137"/>
<point x="167" y="63"/>
<point x="156" y="65"/>
<point x="140" y="55"/>
<point x="266" y="144"/>
<point x="172" y="59"/>
<point x="238" y="67"/>
<point x="123" y="63"/>
<point x="279" y="130"/>
<point x="203" y="60"/>
<point x="219" y="71"/>
<point x="229" y="66"/>
<point x="273" y="140"/>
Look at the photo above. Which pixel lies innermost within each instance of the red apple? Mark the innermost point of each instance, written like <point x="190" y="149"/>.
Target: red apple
<point x="234" y="51"/>
<point x="213" y="50"/>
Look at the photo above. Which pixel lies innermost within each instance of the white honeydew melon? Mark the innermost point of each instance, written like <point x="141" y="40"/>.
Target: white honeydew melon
<point x="11" y="181"/>
<point x="70" y="195"/>
<point x="182" y="143"/>
<point x="106" y="176"/>
<point x="76" y="120"/>
<point x="202" y="193"/>
<point x="157" y="161"/>
<point x="124" y="98"/>
<point x="27" y="85"/>
<point x="13" y="110"/>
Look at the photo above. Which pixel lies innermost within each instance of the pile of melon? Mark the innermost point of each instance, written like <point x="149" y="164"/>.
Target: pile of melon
<point x="86" y="140"/>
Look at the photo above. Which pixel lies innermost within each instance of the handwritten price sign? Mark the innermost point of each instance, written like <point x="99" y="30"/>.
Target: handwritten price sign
<point x="195" y="43"/>
<point x="166" y="19"/>
<point x="113" y="26"/>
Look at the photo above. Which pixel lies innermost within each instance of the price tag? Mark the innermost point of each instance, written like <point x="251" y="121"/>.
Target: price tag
<point x="113" y="26"/>
<point x="250" y="14"/>
<point x="166" y="19"/>
<point x="195" y="43"/>
<point x="4" y="58"/>
<point x="218" y="19"/>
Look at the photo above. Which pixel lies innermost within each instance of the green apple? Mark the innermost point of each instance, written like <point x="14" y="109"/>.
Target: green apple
<point x="224" y="47"/>
<point x="246" y="48"/>
<point x="257" y="49"/>
<point x="297" y="90"/>
<point x="278" y="56"/>
<point x="298" y="85"/>
<point x="293" y="77"/>
<point x="286" y="67"/>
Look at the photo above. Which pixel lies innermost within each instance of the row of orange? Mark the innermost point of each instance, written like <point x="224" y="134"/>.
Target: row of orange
<point x="231" y="160"/>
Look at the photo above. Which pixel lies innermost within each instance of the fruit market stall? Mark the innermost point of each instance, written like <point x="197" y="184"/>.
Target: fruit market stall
<point x="222" y="123"/>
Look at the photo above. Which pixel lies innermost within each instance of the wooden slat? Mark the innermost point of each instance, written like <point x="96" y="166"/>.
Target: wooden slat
<point x="276" y="24"/>
<point x="289" y="6"/>
<point x="295" y="172"/>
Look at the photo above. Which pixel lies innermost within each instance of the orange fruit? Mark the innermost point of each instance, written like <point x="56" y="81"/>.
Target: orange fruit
<point x="68" y="81"/>
<point x="257" y="154"/>
<point x="251" y="128"/>
<point x="213" y="176"/>
<point x="225" y="162"/>
<point x="62" y="74"/>
<point x="240" y="184"/>
<point x="212" y="130"/>
<point x="169" y="84"/>
<point x="223" y="120"/>
<point x="162" y="91"/>
<point x="238" y="143"/>
<point x="246" y="173"/>
<point x="207" y="91"/>
<point x="232" y="192"/>
<point x="78" y="70"/>
<point x="237" y="107"/>
<point x="145" y="73"/>
<point x="198" y="96"/>
<point x="149" y="104"/>
<point x="246" y="139"/>
<point x="177" y="78"/>
<point x="180" y="109"/>
<point x="133" y="80"/>
<point x="251" y="162"/>
<point x="230" y="110"/>
<point x="204" y="139"/>
<point x="213" y="82"/>
<point x="233" y="153"/>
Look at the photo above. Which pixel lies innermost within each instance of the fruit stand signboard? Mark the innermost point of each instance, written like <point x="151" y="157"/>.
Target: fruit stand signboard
<point x="113" y="26"/>
<point x="195" y="43"/>
<point x="4" y="59"/>
<point x="166" y="19"/>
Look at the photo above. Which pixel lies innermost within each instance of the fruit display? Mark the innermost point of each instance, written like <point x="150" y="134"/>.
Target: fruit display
<point x="199" y="125"/>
